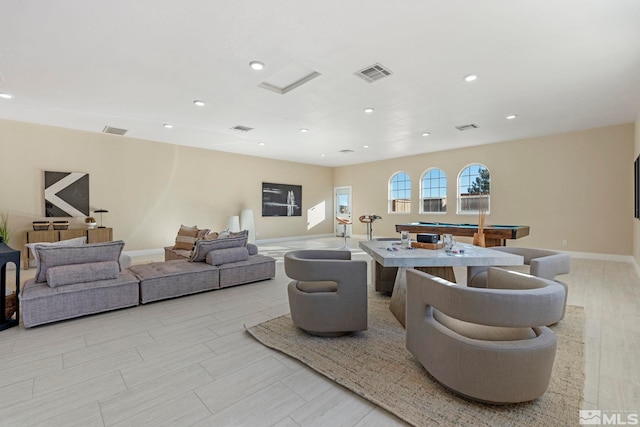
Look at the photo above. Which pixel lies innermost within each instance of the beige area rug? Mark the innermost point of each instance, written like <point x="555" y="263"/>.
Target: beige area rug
<point x="376" y="365"/>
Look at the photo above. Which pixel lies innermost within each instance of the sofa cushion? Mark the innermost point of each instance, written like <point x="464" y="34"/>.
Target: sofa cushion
<point x="205" y="246"/>
<point x="225" y="256"/>
<point x="69" y="242"/>
<point x="53" y="256"/>
<point x="82" y="273"/>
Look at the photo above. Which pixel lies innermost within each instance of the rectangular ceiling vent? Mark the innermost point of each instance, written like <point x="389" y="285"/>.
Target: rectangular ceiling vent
<point x="467" y="127"/>
<point x="240" y="128"/>
<point x="373" y="73"/>
<point x="114" y="131"/>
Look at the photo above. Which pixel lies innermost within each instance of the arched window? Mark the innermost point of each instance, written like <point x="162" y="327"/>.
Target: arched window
<point x="400" y="193"/>
<point x="433" y="191"/>
<point x="474" y="189"/>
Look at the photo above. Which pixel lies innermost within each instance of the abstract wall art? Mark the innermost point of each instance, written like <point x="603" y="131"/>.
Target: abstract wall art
<point x="281" y="199"/>
<point x="66" y="194"/>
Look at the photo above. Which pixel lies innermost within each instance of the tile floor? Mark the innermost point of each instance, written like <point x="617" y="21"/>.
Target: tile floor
<point x="189" y="362"/>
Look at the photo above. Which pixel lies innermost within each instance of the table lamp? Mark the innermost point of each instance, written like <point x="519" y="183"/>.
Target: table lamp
<point x="101" y="211"/>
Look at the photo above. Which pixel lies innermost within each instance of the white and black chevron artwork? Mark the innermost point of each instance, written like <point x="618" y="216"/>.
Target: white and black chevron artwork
<point x="66" y="194"/>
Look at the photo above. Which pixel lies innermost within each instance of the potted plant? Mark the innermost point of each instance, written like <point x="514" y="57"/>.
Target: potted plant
<point x="90" y="221"/>
<point x="5" y="234"/>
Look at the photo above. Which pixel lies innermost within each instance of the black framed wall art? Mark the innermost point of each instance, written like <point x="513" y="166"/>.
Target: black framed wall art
<point x="281" y="199"/>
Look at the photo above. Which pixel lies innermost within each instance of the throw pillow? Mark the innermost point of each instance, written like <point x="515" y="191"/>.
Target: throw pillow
<point x="226" y="256"/>
<point x="69" y="242"/>
<point x="82" y="273"/>
<point x="204" y="246"/>
<point x="53" y="256"/>
<point x="186" y="237"/>
<point x="211" y="236"/>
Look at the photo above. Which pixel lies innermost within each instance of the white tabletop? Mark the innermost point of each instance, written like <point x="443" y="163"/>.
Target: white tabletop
<point x="468" y="255"/>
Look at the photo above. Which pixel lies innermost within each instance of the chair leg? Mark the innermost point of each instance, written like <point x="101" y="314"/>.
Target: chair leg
<point x="345" y="247"/>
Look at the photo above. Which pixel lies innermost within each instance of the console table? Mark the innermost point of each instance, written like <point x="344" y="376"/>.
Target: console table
<point x="93" y="235"/>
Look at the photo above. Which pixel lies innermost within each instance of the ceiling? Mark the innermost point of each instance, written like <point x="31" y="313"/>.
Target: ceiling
<point x="559" y="65"/>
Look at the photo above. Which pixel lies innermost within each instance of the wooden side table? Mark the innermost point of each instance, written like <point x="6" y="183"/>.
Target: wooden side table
<point x="8" y="255"/>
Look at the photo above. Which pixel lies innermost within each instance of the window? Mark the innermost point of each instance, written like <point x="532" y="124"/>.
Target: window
<point x="400" y="193"/>
<point x="433" y="191"/>
<point x="474" y="189"/>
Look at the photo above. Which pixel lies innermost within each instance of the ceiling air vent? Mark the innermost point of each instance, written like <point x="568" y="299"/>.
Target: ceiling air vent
<point x="114" y="131"/>
<point x="467" y="127"/>
<point x="373" y="73"/>
<point x="240" y="128"/>
<point x="346" y="151"/>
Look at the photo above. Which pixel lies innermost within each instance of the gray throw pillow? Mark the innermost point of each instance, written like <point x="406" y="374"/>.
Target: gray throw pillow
<point x="82" y="273"/>
<point x="226" y="256"/>
<point x="69" y="242"/>
<point x="204" y="246"/>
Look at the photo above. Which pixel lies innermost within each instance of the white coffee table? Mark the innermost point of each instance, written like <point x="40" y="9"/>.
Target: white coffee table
<point x="468" y="255"/>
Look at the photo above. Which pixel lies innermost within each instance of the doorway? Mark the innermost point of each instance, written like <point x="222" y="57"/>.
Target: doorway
<point x="342" y="204"/>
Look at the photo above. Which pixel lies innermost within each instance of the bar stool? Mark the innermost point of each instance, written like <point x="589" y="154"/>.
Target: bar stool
<point x="345" y="222"/>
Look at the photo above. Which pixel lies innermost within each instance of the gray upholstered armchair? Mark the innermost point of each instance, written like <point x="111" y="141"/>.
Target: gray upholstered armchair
<point x="542" y="263"/>
<point x="328" y="294"/>
<point x="485" y="344"/>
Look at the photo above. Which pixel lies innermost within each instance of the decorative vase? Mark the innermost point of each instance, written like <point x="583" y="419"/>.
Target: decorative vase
<point x="91" y="225"/>
<point x="478" y="240"/>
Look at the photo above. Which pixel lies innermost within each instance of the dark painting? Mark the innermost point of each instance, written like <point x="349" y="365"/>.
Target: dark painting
<point x="66" y="194"/>
<point x="281" y="199"/>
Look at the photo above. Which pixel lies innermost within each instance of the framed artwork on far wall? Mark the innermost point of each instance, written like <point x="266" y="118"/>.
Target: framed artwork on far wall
<point x="281" y="199"/>
<point x="66" y="194"/>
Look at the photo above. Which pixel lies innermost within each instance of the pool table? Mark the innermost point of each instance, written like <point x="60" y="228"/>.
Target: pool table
<point x="495" y="235"/>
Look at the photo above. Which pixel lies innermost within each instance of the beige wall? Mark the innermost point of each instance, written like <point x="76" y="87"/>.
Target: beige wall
<point x="575" y="187"/>
<point x="636" y="223"/>
<point x="151" y="188"/>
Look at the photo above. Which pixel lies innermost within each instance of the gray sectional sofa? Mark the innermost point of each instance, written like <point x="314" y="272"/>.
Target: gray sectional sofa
<point x="73" y="281"/>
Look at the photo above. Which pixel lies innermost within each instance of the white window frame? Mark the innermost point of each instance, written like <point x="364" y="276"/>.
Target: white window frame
<point x="391" y="199"/>
<point x="422" y="188"/>
<point x="459" y="193"/>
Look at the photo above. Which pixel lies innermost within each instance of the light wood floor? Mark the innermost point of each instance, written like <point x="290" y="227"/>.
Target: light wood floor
<point x="189" y="362"/>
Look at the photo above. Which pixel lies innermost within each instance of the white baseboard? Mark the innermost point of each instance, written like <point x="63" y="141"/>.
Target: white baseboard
<point x="288" y="239"/>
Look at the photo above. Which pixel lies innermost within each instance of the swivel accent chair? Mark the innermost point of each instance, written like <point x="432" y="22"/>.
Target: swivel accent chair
<point x="328" y="294"/>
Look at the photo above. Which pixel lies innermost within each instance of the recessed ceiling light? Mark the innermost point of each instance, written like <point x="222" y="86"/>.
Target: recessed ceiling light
<point x="511" y="116"/>
<point x="470" y="77"/>
<point x="321" y="155"/>
<point x="260" y="143"/>
<point x="6" y="95"/>
<point x="366" y="146"/>
<point x="199" y="103"/>
<point x="256" y="65"/>
<point x="167" y="125"/>
<point x="303" y="130"/>
<point x="426" y="133"/>
<point x="368" y="110"/>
